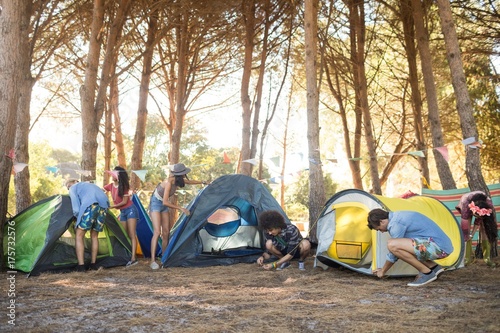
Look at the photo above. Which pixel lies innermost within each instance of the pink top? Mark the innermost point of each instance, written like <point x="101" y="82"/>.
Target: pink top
<point x="116" y="198"/>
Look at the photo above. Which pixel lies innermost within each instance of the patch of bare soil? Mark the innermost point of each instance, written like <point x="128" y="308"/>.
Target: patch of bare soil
<point x="246" y="298"/>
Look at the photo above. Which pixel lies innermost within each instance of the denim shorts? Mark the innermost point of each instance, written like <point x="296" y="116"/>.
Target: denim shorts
<point x="426" y="249"/>
<point x="156" y="205"/>
<point x="93" y="218"/>
<point x="129" y="213"/>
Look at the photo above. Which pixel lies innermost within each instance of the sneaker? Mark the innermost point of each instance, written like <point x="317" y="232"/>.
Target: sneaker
<point x="301" y="266"/>
<point x="154" y="265"/>
<point x="423" y="279"/>
<point x="80" y="268"/>
<point x="283" y="266"/>
<point x="131" y="263"/>
<point x="438" y="269"/>
<point x="93" y="267"/>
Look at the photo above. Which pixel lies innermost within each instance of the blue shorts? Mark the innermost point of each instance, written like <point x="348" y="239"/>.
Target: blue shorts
<point x="129" y="213"/>
<point x="93" y="218"/>
<point x="156" y="205"/>
<point x="426" y="249"/>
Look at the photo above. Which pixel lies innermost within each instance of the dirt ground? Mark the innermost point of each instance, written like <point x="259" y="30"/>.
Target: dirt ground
<point x="245" y="298"/>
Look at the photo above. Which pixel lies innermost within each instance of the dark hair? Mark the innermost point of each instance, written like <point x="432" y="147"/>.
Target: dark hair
<point x="271" y="219"/>
<point x="123" y="182"/>
<point x="375" y="216"/>
<point x="179" y="180"/>
<point x="489" y="222"/>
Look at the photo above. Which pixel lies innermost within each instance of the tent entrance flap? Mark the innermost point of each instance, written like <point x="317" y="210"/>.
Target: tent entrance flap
<point x="352" y="238"/>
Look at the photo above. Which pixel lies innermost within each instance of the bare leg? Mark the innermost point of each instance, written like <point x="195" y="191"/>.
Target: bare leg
<point x="272" y="249"/>
<point x="403" y="249"/>
<point x="95" y="245"/>
<point x="131" y="231"/>
<point x="305" y="249"/>
<point x="156" y="221"/>
<point x="79" y="246"/>
<point x="165" y="230"/>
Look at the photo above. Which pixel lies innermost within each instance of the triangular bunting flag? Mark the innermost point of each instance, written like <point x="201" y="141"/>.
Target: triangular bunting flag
<point x="113" y="173"/>
<point x="18" y="167"/>
<point x="276" y="161"/>
<point x="52" y="169"/>
<point x="418" y="153"/>
<point x="444" y="152"/>
<point x="11" y="154"/>
<point x="85" y="173"/>
<point x="313" y="161"/>
<point x="141" y="174"/>
<point x="252" y="161"/>
<point x="226" y="159"/>
<point x="469" y="141"/>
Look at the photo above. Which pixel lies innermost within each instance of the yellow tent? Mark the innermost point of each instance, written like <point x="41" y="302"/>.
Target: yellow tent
<point x="345" y="239"/>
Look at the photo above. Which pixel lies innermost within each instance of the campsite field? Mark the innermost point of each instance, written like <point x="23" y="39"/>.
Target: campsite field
<point x="245" y="298"/>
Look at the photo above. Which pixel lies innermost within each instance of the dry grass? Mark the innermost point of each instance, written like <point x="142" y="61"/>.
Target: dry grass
<point x="245" y="298"/>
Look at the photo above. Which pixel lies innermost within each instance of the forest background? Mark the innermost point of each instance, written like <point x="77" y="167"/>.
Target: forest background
<point x="375" y="95"/>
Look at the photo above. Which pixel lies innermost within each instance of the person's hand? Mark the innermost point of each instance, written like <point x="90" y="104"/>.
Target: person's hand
<point x="267" y="266"/>
<point x="185" y="211"/>
<point x="260" y="261"/>
<point x="379" y="272"/>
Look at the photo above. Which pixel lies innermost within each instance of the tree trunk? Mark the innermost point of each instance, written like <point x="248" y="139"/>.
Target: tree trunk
<point x="21" y="146"/>
<point x="180" y="98"/>
<point x="443" y="169"/>
<point x="411" y="56"/>
<point x="260" y="83"/>
<point x="142" y="110"/>
<point x="90" y="121"/>
<point x="354" y="164"/>
<point x="249" y="21"/>
<point x="464" y="106"/>
<point x="91" y="115"/>
<point x="357" y="22"/>
<point x="13" y="32"/>
<point x="316" y="184"/>
<point x="117" y="122"/>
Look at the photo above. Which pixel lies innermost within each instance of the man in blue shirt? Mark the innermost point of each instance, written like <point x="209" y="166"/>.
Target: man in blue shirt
<point x="90" y="206"/>
<point x="415" y="239"/>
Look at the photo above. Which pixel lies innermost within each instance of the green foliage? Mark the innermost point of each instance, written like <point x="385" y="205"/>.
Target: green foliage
<point x="297" y="195"/>
<point x="43" y="183"/>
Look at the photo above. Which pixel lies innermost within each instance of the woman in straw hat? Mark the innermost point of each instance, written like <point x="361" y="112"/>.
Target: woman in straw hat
<point x="160" y="204"/>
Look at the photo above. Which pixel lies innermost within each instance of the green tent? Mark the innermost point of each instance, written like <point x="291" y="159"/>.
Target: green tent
<point x="41" y="238"/>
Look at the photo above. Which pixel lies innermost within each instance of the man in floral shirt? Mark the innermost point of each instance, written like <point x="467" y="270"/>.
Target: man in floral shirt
<point x="416" y="239"/>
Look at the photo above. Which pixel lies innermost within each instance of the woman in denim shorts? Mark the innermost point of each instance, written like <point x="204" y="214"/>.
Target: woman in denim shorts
<point x="160" y="204"/>
<point x="121" y="194"/>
